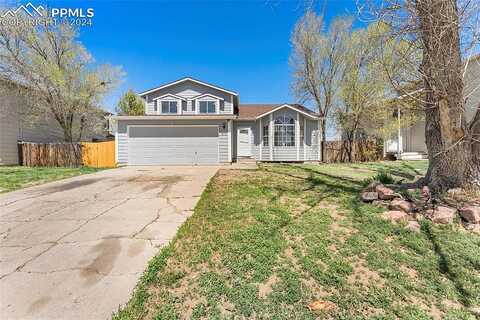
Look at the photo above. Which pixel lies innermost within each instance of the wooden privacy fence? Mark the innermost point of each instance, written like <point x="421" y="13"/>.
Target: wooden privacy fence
<point x="89" y="154"/>
<point x="98" y="154"/>
<point x="50" y="154"/>
<point x="364" y="151"/>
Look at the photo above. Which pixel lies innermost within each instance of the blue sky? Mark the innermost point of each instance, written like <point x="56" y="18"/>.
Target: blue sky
<point x="240" y="45"/>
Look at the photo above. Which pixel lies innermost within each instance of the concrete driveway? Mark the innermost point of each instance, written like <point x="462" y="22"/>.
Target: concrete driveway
<point x="75" y="249"/>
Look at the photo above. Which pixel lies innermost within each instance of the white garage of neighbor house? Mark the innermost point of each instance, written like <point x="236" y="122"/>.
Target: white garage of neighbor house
<point x="192" y="122"/>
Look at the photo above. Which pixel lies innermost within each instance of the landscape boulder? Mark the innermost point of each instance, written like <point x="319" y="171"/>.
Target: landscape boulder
<point x="413" y="226"/>
<point x="396" y="216"/>
<point x="385" y="193"/>
<point x="402" y="205"/>
<point x="470" y="213"/>
<point x="372" y="186"/>
<point x="369" y="196"/>
<point x="440" y="214"/>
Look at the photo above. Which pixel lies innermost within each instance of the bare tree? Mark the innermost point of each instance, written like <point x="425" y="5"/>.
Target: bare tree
<point x="57" y="73"/>
<point x="446" y="32"/>
<point x="317" y="62"/>
<point x="367" y="99"/>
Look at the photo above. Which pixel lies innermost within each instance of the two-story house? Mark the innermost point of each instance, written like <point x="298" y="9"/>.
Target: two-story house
<point x="192" y="122"/>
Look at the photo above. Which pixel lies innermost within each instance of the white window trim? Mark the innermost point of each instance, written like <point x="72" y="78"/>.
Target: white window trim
<point x="208" y="96"/>
<point x="295" y="129"/>
<point x="215" y="101"/>
<point x="286" y="106"/>
<point x="169" y="95"/>
<point x="159" y="105"/>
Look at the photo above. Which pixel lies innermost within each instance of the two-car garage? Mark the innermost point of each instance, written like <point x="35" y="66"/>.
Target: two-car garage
<point x="173" y="144"/>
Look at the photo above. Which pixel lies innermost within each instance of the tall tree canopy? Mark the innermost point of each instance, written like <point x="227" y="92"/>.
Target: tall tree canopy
<point x="58" y="73"/>
<point x="131" y="104"/>
<point x="318" y="61"/>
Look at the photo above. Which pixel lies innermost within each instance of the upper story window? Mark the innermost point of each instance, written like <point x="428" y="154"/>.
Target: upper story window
<point x="206" y="106"/>
<point x="169" y="107"/>
<point x="284" y="132"/>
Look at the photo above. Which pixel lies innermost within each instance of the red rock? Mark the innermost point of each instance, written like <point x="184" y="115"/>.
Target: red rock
<point x="470" y="213"/>
<point x="320" y="305"/>
<point x="385" y="193"/>
<point x="395" y="216"/>
<point x="443" y="215"/>
<point x="369" y="196"/>
<point x="413" y="226"/>
<point x="372" y="186"/>
<point x="402" y="205"/>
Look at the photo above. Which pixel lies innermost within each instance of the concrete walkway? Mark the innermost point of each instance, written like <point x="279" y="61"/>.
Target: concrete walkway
<point x="75" y="249"/>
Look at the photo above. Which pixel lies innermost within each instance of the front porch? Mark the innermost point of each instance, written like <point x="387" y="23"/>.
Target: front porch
<point x="408" y="142"/>
<point x="286" y="135"/>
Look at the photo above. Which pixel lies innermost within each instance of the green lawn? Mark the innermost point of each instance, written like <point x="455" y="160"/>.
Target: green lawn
<point x="264" y="244"/>
<point x="16" y="177"/>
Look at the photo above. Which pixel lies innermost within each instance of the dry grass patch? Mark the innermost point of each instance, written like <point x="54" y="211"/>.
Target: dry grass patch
<point x="268" y="243"/>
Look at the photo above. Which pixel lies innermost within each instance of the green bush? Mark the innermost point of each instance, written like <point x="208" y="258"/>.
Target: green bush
<point x="384" y="177"/>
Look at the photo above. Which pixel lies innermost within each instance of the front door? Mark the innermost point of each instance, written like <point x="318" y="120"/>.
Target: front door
<point x="244" y="146"/>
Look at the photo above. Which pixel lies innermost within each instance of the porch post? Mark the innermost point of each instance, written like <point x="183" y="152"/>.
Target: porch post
<point x="319" y="140"/>
<point x="297" y="135"/>
<point x="229" y="135"/>
<point x="399" y="133"/>
<point x="260" y="137"/>
<point x="270" y="136"/>
<point x="304" y="138"/>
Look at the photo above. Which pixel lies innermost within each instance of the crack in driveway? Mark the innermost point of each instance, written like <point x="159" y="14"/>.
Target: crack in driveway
<point x="58" y="263"/>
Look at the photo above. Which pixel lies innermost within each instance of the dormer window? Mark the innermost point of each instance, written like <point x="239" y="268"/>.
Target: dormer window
<point x="169" y="107"/>
<point x="207" y="107"/>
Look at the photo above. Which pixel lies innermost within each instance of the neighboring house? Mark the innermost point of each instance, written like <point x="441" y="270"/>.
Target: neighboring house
<point x="408" y="143"/>
<point x="192" y="122"/>
<point x="14" y="128"/>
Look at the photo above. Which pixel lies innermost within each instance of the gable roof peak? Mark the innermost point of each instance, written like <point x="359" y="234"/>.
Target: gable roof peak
<point x="188" y="78"/>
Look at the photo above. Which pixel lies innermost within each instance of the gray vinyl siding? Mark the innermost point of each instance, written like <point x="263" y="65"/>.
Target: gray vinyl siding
<point x="14" y="127"/>
<point x="223" y="144"/>
<point x="309" y="152"/>
<point x="122" y="142"/>
<point x="123" y="139"/>
<point x="189" y="90"/>
<point x="312" y="141"/>
<point x="8" y="138"/>
<point x="472" y="89"/>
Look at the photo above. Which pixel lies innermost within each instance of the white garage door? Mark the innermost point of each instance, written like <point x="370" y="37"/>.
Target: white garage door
<point x="172" y="145"/>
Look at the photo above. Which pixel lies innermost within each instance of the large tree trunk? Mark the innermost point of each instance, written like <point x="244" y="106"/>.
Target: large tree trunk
<point x="448" y="142"/>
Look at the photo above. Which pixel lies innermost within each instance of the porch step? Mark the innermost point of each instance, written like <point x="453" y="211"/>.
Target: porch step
<point x="413" y="156"/>
<point x="246" y="160"/>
